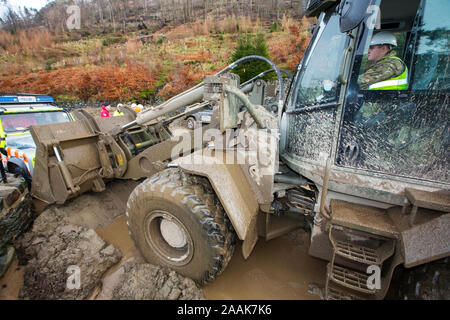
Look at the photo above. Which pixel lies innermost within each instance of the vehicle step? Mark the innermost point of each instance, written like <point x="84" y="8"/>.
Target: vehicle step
<point x="349" y="278"/>
<point x="357" y="253"/>
<point x="438" y="200"/>
<point x="359" y="217"/>
<point x="361" y="253"/>
<point x="335" y="293"/>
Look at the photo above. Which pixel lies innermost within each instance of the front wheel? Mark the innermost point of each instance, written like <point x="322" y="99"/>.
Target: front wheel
<point x="177" y="221"/>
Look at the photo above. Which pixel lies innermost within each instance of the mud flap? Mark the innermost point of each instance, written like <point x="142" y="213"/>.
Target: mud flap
<point x="233" y="191"/>
<point x="251" y="239"/>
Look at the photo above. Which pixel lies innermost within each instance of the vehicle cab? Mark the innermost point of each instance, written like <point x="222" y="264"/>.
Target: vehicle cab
<point x="378" y="141"/>
<point x="372" y="155"/>
<point x="18" y="113"/>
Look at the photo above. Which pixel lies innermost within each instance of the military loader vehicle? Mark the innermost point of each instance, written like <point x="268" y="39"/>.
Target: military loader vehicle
<point x="365" y="171"/>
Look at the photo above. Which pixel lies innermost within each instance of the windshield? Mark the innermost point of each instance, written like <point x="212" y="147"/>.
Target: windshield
<point x="432" y="61"/>
<point x="21" y="142"/>
<point x="17" y="122"/>
<point x="318" y="80"/>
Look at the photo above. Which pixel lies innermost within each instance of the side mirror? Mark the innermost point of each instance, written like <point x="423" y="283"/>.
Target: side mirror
<point x="352" y="12"/>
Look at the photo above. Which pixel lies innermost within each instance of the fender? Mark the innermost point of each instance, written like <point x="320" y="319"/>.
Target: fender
<point x="234" y="193"/>
<point x="24" y="171"/>
<point x="427" y="241"/>
<point x="21" y="164"/>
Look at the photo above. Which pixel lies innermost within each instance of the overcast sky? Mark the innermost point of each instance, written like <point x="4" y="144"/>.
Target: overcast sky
<point x="16" y="4"/>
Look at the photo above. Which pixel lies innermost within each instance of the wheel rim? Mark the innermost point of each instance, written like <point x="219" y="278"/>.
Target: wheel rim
<point x="190" y="123"/>
<point x="168" y="238"/>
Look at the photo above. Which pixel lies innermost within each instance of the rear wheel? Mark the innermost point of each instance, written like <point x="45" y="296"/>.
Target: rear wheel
<point x="190" y="123"/>
<point x="177" y="221"/>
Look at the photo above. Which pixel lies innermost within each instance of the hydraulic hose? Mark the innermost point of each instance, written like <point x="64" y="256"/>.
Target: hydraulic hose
<point x="194" y="93"/>
<point x="274" y="67"/>
<point x="262" y="74"/>
<point x="243" y="97"/>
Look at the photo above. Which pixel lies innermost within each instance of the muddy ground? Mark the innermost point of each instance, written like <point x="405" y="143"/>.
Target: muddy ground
<point x="279" y="269"/>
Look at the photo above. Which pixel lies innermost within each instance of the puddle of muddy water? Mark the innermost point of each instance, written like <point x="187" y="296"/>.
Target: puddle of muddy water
<point x="12" y="281"/>
<point x="278" y="269"/>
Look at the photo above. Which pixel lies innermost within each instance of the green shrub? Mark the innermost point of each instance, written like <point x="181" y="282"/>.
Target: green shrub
<point x="274" y="27"/>
<point x="250" y="45"/>
<point x="113" y="40"/>
<point x="146" y="94"/>
<point x="48" y="65"/>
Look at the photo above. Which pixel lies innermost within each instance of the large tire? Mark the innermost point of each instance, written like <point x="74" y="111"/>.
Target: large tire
<point x="430" y="281"/>
<point x="176" y="220"/>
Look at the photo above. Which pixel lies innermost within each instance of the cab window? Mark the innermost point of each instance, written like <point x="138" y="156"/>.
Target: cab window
<point x="312" y="105"/>
<point x="396" y="131"/>
<point x="319" y="78"/>
<point x="432" y="62"/>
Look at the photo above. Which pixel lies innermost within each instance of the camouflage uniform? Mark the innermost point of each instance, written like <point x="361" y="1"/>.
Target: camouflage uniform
<point x="382" y="70"/>
<point x="377" y="72"/>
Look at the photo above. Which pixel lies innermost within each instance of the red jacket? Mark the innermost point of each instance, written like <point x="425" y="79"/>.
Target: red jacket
<point x="104" y="113"/>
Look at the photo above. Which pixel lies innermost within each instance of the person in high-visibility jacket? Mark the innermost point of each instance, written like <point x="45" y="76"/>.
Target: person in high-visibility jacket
<point x="2" y="151"/>
<point x="387" y="72"/>
<point x="119" y="111"/>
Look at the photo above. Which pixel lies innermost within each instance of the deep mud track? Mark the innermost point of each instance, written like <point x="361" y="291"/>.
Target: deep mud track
<point x="278" y="269"/>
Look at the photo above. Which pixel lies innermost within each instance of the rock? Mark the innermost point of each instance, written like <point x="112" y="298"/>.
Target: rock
<point x="62" y="246"/>
<point x="15" y="215"/>
<point x="110" y="282"/>
<point x="141" y="281"/>
<point x="60" y="256"/>
<point x="108" y="251"/>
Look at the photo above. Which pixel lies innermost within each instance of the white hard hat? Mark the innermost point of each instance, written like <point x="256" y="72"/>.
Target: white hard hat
<point x="140" y="106"/>
<point x="119" y="105"/>
<point x="384" y="37"/>
<point x="133" y="105"/>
